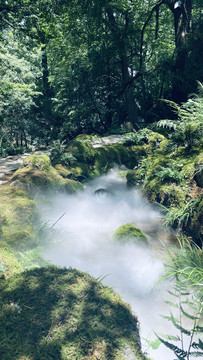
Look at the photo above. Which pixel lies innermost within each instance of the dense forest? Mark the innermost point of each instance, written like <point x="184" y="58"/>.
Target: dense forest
<point x="87" y="85"/>
<point x="70" y="67"/>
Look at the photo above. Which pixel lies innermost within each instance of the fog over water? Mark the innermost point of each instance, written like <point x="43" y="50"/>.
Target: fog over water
<point x="85" y="242"/>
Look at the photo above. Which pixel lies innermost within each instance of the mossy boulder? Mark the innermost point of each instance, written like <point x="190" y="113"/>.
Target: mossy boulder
<point x="51" y="313"/>
<point x="39" y="174"/>
<point x="130" y="232"/>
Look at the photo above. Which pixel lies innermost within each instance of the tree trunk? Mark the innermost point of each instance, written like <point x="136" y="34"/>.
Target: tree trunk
<point x="47" y="92"/>
<point x="182" y="15"/>
<point x="131" y="106"/>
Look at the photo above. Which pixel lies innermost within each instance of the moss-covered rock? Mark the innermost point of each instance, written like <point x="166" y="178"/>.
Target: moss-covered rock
<point x="130" y="232"/>
<point x="39" y="174"/>
<point x="64" y="314"/>
<point x="93" y="162"/>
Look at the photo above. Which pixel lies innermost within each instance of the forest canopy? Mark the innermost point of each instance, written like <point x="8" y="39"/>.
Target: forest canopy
<point x="100" y="66"/>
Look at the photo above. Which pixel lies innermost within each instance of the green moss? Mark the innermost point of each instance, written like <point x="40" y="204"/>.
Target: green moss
<point x="39" y="174"/>
<point x="64" y="314"/>
<point x="62" y="170"/>
<point x="18" y="216"/>
<point x="8" y="260"/>
<point x="83" y="152"/>
<point x="130" y="232"/>
<point x="41" y="162"/>
<point x="123" y="174"/>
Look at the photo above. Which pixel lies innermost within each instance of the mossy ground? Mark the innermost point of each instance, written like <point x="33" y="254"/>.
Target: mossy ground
<point x="52" y="313"/>
<point x="8" y="260"/>
<point x="18" y="217"/>
<point x="128" y="232"/>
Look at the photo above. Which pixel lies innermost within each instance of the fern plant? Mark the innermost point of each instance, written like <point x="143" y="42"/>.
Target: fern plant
<point x="188" y="129"/>
<point x="184" y="265"/>
<point x="186" y="342"/>
<point x="168" y="174"/>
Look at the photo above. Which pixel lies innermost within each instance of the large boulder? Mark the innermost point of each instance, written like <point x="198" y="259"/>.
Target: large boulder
<point x="39" y="174"/>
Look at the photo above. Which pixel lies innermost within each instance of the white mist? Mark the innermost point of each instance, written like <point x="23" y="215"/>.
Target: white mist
<point x="85" y="242"/>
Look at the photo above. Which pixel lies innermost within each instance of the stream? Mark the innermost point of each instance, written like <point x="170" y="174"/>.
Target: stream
<point x="85" y="224"/>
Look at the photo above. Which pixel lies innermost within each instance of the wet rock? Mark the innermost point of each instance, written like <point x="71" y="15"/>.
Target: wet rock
<point x="102" y="191"/>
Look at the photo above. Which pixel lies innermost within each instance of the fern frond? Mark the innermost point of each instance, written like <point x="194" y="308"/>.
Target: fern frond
<point x="167" y="124"/>
<point x="181" y="354"/>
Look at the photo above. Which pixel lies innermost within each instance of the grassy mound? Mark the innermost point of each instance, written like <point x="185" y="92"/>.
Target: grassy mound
<point x="130" y="232"/>
<point x="52" y="313"/>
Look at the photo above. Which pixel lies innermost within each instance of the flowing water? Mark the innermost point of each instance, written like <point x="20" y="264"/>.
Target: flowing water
<point x="85" y="225"/>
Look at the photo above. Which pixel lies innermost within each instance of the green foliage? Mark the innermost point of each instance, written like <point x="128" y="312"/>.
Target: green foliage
<point x="185" y="267"/>
<point x="188" y="129"/>
<point x="181" y="217"/>
<point x="169" y="173"/>
<point x="58" y="154"/>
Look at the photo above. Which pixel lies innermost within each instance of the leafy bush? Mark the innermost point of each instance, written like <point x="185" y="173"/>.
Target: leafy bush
<point x="58" y="154"/>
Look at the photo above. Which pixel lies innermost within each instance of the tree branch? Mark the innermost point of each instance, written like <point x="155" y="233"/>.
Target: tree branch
<point x="144" y="27"/>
